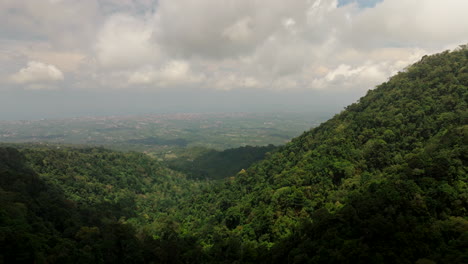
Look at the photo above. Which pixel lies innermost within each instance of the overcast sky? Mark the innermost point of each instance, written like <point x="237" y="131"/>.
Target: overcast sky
<point x="62" y="58"/>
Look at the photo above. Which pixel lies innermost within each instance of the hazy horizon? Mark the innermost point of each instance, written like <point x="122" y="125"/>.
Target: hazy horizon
<point x="64" y="58"/>
<point x="78" y="103"/>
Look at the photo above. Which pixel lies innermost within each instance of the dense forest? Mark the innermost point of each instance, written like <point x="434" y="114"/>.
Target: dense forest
<point x="384" y="181"/>
<point x="202" y="163"/>
<point x="83" y="205"/>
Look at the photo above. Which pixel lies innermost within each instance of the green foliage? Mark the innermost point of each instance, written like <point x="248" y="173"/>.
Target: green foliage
<point x="374" y="184"/>
<point x="384" y="181"/>
<point x="212" y="164"/>
<point x="40" y="225"/>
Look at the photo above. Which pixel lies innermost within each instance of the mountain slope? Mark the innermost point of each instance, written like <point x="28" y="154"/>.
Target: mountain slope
<point x="214" y="165"/>
<point x="384" y="181"/>
<point x="397" y="158"/>
<point x="40" y="225"/>
<point x="87" y="205"/>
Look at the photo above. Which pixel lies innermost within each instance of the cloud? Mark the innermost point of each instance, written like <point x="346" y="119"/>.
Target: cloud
<point x="229" y="81"/>
<point x="125" y="41"/>
<point x="66" y="61"/>
<point x="431" y="23"/>
<point x="227" y="44"/>
<point x="37" y="72"/>
<point x="241" y="31"/>
<point x="345" y="76"/>
<point x="173" y="73"/>
<point x="65" y="23"/>
<point x="221" y="29"/>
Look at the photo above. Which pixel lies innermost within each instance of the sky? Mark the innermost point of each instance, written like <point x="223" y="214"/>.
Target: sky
<point x="65" y="58"/>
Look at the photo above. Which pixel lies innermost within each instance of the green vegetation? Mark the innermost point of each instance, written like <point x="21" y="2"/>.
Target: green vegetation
<point x="40" y="225"/>
<point x="200" y="163"/>
<point x="384" y="181"/>
<point x="88" y="205"/>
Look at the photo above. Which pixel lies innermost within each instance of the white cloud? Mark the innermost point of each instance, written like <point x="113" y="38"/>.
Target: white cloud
<point x="429" y="23"/>
<point x="227" y="44"/>
<point x="146" y="75"/>
<point x="66" y="61"/>
<point x="221" y="29"/>
<point x="240" y="31"/>
<point x="37" y="72"/>
<point x="125" y="41"/>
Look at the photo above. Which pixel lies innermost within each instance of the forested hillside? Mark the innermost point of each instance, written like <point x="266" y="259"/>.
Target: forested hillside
<point x="39" y="224"/>
<point x="86" y="205"/>
<point x="200" y="163"/>
<point x="384" y="181"/>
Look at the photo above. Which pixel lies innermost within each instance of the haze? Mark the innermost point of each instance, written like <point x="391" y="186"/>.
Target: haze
<point x="64" y="58"/>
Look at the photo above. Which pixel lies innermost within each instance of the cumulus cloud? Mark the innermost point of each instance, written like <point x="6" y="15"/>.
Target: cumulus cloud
<point x="410" y="23"/>
<point x="220" y="29"/>
<point x="125" y="41"/>
<point x="229" y="44"/>
<point x="37" y="72"/>
<point x="346" y="76"/>
<point x="66" y="61"/>
<point x="240" y="31"/>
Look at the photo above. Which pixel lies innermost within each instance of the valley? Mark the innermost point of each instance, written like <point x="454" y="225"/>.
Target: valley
<point x="384" y="181"/>
<point x="165" y="135"/>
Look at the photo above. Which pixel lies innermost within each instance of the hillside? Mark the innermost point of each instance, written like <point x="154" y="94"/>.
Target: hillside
<point x="39" y="224"/>
<point x="85" y="205"/>
<point x="201" y="163"/>
<point x="384" y="181"/>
